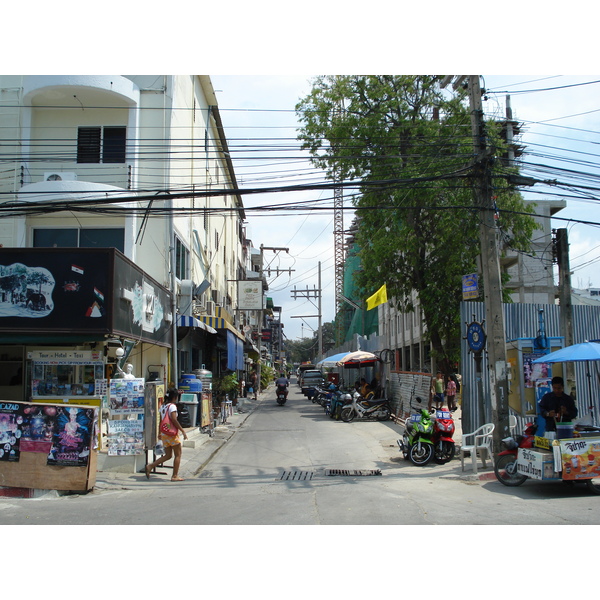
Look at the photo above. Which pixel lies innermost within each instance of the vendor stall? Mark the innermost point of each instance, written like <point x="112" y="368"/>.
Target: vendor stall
<point x="573" y="459"/>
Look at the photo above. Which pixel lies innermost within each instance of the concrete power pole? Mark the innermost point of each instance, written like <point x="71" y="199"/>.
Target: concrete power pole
<point x="490" y="264"/>
<point x="564" y="299"/>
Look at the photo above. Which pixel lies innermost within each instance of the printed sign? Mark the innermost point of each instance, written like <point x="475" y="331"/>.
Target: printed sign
<point x="580" y="458"/>
<point x="126" y="396"/>
<point x="125" y="437"/>
<point x="73" y="436"/>
<point x="250" y="295"/>
<point x="11" y="423"/>
<point x="470" y="287"/>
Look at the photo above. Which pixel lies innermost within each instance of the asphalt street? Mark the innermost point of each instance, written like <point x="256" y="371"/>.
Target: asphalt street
<point x="293" y="465"/>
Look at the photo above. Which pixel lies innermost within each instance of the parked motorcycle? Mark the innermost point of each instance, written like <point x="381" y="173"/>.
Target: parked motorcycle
<point x="339" y="401"/>
<point x="443" y="443"/>
<point x="362" y="408"/>
<point x="417" y="441"/>
<point x="281" y="395"/>
<point x="505" y="466"/>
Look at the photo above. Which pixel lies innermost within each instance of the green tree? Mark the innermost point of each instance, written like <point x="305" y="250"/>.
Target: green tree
<point x="411" y="148"/>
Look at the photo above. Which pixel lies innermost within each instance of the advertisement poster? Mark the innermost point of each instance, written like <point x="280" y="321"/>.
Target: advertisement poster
<point x="532" y="372"/>
<point x="73" y="436"/>
<point x="580" y="458"/>
<point x="126" y="396"/>
<point x="11" y="423"/>
<point x="38" y="428"/>
<point x="125" y="437"/>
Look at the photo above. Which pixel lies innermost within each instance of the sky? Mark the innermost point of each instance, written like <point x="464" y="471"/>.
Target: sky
<point x="561" y="129"/>
<point x="261" y="57"/>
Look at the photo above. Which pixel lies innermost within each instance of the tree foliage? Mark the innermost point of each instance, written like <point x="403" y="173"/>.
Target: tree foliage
<point x="411" y="147"/>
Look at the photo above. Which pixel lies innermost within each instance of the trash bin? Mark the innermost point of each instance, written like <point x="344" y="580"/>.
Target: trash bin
<point x="190" y="401"/>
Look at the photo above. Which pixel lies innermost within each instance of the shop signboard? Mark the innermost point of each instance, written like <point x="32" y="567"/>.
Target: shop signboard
<point x="250" y="295"/>
<point x="580" y="458"/>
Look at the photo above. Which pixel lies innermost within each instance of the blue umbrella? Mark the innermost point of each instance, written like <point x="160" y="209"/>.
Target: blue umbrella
<point x="576" y="353"/>
<point x="331" y="361"/>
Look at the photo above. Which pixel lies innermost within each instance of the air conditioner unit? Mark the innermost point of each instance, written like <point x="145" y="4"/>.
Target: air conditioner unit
<point x="210" y="308"/>
<point x="198" y="307"/>
<point x="60" y="176"/>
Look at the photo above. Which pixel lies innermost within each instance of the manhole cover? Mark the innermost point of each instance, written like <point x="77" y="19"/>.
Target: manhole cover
<point x="296" y="476"/>
<point x="348" y="473"/>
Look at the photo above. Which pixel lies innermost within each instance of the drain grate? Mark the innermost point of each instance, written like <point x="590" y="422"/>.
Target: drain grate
<point x="347" y="473"/>
<point x="296" y="476"/>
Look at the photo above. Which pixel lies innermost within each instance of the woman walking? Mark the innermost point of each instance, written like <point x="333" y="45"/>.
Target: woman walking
<point x="172" y="443"/>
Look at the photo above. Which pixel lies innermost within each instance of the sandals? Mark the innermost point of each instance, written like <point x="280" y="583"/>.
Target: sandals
<point x="177" y="479"/>
<point x="147" y="472"/>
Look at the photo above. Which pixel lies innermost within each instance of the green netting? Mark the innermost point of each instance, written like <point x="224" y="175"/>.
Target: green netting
<point x="363" y="322"/>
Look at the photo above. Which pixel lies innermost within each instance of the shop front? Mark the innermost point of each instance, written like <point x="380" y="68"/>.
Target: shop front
<point x="71" y="320"/>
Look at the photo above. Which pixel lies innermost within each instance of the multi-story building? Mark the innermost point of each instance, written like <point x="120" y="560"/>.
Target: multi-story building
<point x="121" y="228"/>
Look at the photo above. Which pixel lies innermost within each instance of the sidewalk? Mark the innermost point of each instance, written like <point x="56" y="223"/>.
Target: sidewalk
<point x="197" y="451"/>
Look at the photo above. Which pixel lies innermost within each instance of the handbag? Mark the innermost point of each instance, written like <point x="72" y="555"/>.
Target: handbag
<point x="166" y="426"/>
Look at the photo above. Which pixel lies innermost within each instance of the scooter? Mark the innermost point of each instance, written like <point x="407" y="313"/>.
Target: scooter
<point x="505" y="466"/>
<point x="443" y="430"/>
<point x="362" y="408"/>
<point x="281" y="395"/>
<point x="417" y="441"/>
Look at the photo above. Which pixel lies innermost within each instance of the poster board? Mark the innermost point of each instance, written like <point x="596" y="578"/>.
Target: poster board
<point x="50" y="446"/>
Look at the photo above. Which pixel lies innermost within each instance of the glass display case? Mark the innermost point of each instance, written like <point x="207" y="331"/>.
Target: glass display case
<point x="65" y="373"/>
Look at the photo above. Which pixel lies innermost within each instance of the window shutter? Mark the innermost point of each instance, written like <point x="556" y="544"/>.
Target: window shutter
<point x="88" y="145"/>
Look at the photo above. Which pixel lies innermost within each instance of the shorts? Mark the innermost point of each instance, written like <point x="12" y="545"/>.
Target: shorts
<point x="438" y="398"/>
<point x="170" y="440"/>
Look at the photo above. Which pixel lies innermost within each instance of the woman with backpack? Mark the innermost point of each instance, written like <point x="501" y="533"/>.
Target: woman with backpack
<point x="170" y="437"/>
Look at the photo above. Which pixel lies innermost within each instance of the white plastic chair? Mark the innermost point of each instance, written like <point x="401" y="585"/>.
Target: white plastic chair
<point x="512" y="424"/>
<point x="479" y="441"/>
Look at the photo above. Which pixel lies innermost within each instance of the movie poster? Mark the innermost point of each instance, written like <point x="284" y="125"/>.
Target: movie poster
<point x="38" y="428"/>
<point x="73" y="436"/>
<point x="11" y="423"/>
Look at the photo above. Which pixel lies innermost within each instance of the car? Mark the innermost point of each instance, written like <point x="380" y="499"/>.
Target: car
<point x="311" y="379"/>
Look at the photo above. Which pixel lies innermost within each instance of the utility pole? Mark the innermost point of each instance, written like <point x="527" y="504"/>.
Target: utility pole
<point x="308" y="294"/>
<point x="261" y="316"/>
<point x="564" y="298"/>
<point x="490" y="264"/>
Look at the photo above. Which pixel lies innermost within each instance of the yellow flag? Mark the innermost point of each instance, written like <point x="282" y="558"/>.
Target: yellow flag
<point x="379" y="297"/>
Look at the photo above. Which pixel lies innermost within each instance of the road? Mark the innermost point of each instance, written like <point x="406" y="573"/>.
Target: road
<point x="243" y="484"/>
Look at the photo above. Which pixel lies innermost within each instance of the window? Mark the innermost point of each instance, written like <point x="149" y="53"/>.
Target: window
<point x="80" y="238"/>
<point x="101" y="144"/>
<point x="182" y="257"/>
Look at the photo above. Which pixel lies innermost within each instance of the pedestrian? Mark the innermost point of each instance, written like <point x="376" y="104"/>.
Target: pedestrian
<point x="253" y="385"/>
<point x="172" y="443"/>
<point x="436" y="395"/>
<point x="451" y="393"/>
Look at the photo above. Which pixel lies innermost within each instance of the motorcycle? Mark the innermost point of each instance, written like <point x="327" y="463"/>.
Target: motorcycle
<point x="281" y="395"/>
<point x="505" y="466"/>
<point x="443" y="430"/>
<point x="362" y="408"/>
<point x="417" y="441"/>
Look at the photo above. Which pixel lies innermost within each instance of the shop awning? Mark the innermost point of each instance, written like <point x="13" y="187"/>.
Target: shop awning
<point x="187" y="321"/>
<point x="221" y="323"/>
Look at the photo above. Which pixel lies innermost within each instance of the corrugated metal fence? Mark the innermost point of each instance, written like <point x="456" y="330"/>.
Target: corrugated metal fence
<point x="522" y="321"/>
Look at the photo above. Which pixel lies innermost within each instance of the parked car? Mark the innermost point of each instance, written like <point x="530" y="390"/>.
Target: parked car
<point x="311" y="379"/>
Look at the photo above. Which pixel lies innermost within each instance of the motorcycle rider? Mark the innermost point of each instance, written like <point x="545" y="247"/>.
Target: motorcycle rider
<point x="282" y="384"/>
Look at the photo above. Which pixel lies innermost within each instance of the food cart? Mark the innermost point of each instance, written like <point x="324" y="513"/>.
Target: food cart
<point x="572" y="460"/>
